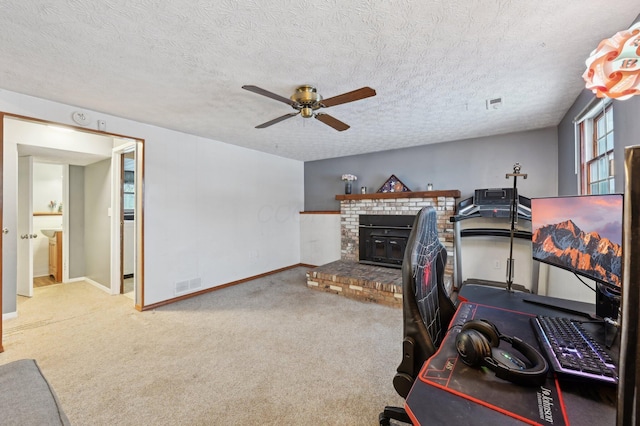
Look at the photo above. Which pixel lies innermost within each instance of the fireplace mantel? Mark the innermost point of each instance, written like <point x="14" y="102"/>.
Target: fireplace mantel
<point x="452" y="193"/>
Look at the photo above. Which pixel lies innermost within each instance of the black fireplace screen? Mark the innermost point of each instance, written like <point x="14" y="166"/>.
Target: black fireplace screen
<point x="383" y="239"/>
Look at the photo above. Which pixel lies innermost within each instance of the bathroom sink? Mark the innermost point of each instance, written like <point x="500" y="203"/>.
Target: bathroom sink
<point x="51" y="232"/>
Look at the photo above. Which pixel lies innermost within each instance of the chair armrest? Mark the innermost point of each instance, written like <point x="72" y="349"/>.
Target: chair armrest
<point x="406" y="374"/>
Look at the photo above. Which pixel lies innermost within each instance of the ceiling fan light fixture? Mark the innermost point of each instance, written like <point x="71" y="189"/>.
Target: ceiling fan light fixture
<point x="306" y="112"/>
<point x="306" y="100"/>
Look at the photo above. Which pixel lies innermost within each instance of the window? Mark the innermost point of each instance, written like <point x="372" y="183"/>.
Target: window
<point x="595" y="136"/>
<point x="129" y="190"/>
<point x="128" y="186"/>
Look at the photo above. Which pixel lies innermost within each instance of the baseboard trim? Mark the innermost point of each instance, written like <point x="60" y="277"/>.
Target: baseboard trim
<point x="219" y="287"/>
<point x="9" y="315"/>
<point x="95" y="284"/>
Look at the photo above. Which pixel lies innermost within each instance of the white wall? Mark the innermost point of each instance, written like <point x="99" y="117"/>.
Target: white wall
<point x="557" y="282"/>
<point x="212" y="211"/>
<point x="485" y="257"/>
<point x="47" y="186"/>
<point x="97" y="222"/>
<point x="319" y="238"/>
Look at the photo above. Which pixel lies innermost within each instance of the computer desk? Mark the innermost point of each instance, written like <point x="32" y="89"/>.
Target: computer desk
<point x="584" y="402"/>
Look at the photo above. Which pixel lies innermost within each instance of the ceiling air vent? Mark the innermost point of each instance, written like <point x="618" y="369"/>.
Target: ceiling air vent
<point x="494" y="103"/>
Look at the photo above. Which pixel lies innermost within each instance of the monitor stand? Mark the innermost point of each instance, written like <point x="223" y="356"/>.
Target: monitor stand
<point x="558" y="306"/>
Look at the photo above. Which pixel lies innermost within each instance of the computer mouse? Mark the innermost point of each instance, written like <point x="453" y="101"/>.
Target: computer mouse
<point x="508" y="359"/>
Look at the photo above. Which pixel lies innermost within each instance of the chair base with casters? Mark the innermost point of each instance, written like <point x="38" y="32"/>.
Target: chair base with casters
<point x="393" y="413"/>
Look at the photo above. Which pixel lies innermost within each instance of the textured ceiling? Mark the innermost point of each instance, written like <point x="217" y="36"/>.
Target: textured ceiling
<point x="180" y="64"/>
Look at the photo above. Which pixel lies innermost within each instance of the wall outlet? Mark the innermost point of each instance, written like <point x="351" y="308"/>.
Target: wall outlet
<point x="496" y="264"/>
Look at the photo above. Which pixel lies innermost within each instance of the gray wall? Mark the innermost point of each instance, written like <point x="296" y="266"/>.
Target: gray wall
<point x="97" y="234"/>
<point x="464" y="165"/>
<point x="75" y="210"/>
<point x="626" y="123"/>
<point x="626" y="132"/>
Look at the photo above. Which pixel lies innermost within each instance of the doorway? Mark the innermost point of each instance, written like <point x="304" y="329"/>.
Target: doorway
<point x="124" y="203"/>
<point x="55" y="147"/>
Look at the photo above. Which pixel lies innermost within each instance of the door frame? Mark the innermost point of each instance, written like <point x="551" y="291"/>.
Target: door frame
<point x="117" y="216"/>
<point x="139" y="232"/>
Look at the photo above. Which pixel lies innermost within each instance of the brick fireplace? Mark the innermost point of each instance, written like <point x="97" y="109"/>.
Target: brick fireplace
<point x="373" y="283"/>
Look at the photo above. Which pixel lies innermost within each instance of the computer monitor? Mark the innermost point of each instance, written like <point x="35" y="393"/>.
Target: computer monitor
<point x="583" y="234"/>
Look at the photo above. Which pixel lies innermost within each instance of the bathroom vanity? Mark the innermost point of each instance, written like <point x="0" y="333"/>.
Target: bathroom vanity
<point x="55" y="253"/>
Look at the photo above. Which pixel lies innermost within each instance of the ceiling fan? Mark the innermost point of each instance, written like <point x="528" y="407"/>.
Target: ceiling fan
<point x="306" y="100"/>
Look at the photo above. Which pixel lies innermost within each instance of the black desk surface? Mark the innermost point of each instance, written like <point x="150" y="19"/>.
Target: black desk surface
<point x="585" y="403"/>
<point x="496" y="296"/>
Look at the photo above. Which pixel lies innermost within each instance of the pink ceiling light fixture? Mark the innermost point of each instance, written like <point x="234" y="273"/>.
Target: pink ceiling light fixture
<point x="613" y="69"/>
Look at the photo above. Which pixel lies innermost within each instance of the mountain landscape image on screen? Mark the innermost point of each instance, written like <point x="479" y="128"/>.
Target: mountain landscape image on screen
<point x="565" y="245"/>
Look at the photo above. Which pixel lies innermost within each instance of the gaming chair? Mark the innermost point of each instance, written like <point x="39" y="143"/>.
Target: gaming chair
<point x="427" y="310"/>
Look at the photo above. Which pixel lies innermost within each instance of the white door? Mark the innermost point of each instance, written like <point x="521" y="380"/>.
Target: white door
<point x="25" y="226"/>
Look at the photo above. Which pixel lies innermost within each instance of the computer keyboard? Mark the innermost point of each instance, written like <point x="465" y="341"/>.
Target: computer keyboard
<point x="572" y="351"/>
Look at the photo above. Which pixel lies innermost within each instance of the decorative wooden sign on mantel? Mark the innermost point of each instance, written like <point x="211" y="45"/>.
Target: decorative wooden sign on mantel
<point x="455" y="193"/>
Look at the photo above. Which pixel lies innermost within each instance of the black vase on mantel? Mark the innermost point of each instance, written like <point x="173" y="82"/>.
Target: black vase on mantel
<point x="347" y="187"/>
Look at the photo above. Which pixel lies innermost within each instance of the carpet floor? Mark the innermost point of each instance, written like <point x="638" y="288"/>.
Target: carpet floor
<point x="268" y="351"/>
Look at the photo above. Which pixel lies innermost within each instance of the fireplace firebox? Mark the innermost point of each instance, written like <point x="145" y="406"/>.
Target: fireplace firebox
<point x="383" y="239"/>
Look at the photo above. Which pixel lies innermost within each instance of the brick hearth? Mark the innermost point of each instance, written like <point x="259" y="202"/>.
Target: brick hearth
<point x="357" y="281"/>
<point x="374" y="283"/>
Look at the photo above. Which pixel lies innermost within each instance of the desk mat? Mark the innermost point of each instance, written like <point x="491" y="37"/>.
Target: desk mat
<point x="445" y="371"/>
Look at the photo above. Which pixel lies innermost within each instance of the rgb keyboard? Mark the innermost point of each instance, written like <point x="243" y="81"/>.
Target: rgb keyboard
<point x="572" y="351"/>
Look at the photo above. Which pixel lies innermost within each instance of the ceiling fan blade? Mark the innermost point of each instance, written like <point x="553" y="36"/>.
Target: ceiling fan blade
<point x="355" y="95"/>
<point x="333" y="122"/>
<point x="277" y="120"/>
<point x="260" y="91"/>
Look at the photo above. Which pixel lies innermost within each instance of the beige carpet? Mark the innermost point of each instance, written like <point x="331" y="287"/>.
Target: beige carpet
<point x="269" y="351"/>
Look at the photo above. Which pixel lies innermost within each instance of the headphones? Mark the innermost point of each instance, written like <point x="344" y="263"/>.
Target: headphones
<point x="477" y="344"/>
